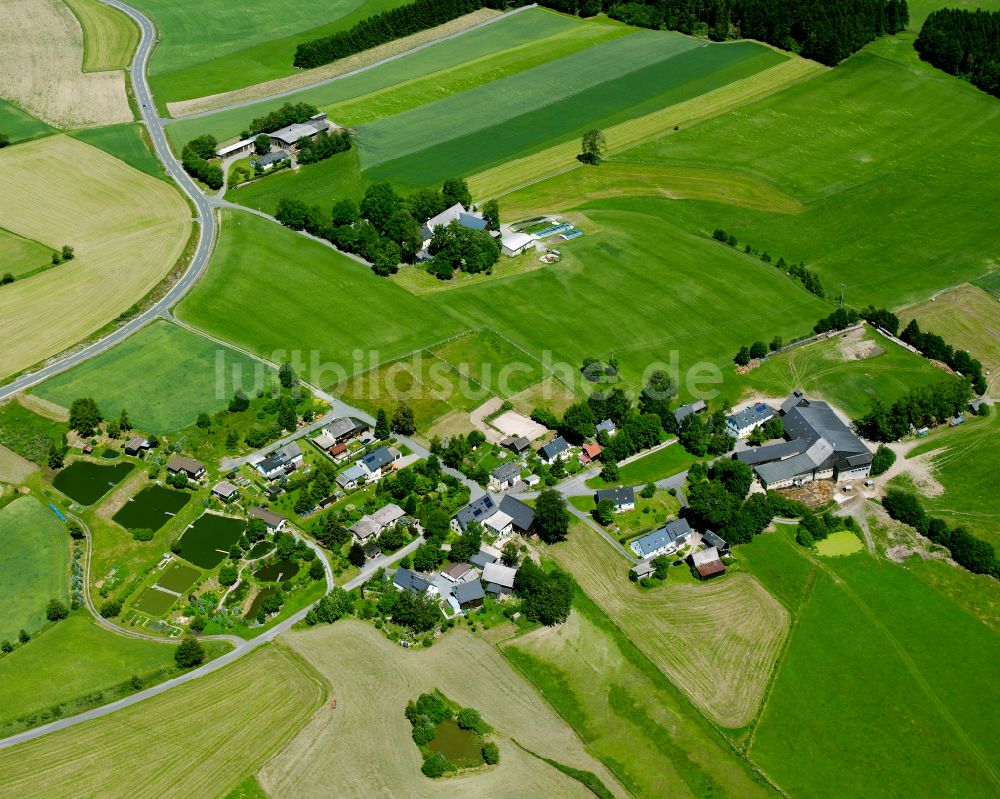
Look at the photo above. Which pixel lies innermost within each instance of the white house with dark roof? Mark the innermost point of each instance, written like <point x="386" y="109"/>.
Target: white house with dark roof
<point x="605" y="426"/>
<point x="378" y="462"/>
<point x="556" y="449"/>
<point x="268" y="160"/>
<point x="275" y="522"/>
<point x="743" y="423"/>
<point x="505" y="476"/>
<point x="281" y="462"/>
<point x="225" y="491"/>
<point x="622" y="498"/>
<point x="664" y="541"/>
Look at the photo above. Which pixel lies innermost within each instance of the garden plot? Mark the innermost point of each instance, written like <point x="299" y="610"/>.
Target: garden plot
<point x="177" y="578"/>
<point x="154" y="601"/>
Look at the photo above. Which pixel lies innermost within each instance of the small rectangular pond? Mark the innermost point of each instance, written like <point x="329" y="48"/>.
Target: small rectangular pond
<point x="151" y="508"/>
<point x="276" y="572"/>
<point x="207" y="542"/>
<point x="178" y="577"/>
<point x="154" y="602"/>
<point x="86" y="482"/>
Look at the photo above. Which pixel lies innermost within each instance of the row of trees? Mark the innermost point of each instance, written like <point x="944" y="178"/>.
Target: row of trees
<point x="924" y="406"/>
<point x="964" y="43"/>
<point x="809" y="280"/>
<point x="966" y="549"/>
<point x="933" y="346"/>
<point x="323" y="145"/>
<point x="288" y="114"/>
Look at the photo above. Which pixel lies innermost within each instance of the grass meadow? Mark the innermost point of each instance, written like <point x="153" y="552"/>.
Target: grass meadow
<point x="27" y="433"/>
<point x="20" y="125"/>
<point x="880" y="151"/>
<point x="109" y="35"/>
<point x="658" y="465"/>
<point x="164" y="375"/>
<point x="34" y="564"/>
<point x="21" y="256"/>
<point x="369" y="712"/>
<point x="868" y="632"/>
<point x="626" y="711"/>
<point x="499" y="38"/>
<point x="266" y="695"/>
<point x="218" y="45"/>
<point x="128" y="230"/>
<point x="126" y="142"/>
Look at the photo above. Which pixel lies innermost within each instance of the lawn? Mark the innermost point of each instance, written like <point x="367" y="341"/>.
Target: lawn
<point x="136" y="749"/>
<point x="338" y="177"/>
<point x="28" y="434"/>
<point x="520" y="29"/>
<point x="882" y="137"/>
<point x="218" y="45"/>
<point x="21" y="256"/>
<point x="20" y="125"/>
<point x="716" y="641"/>
<point x="63" y="665"/>
<point x="316" y="289"/>
<point x="182" y="374"/>
<point x="606" y="84"/>
<point x="109" y="35"/>
<point x="626" y="711"/>
<point x="34" y="563"/>
<point x="127" y="142"/>
<point x="964" y="461"/>
<point x="128" y="230"/>
<point x="487" y="360"/>
<point x="648" y="514"/>
<point x="870" y="668"/>
<point x="659" y="465"/>
<point x="369" y="712"/>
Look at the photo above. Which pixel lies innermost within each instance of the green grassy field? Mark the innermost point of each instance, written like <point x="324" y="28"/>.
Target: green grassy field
<point x="34" y="563"/>
<point x="20" y="256"/>
<point x="830" y="370"/>
<point x="919" y="9"/>
<point x="883" y="136"/>
<point x="524" y="28"/>
<point x="317" y="184"/>
<point x="218" y="46"/>
<point x="659" y="465"/>
<point x="555" y="102"/>
<point x="629" y="715"/>
<point x="964" y="461"/>
<point x="109" y="35"/>
<point x="20" y="125"/>
<point x="870" y="667"/>
<point x="72" y="659"/>
<point x="164" y="375"/>
<point x="137" y="750"/>
<point x="331" y="323"/>
<point x="27" y="433"/>
<point x="126" y="142"/>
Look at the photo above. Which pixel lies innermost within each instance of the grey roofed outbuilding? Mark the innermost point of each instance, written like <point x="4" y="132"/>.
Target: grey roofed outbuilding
<point x="643" y="568"/>
<point x="346" y="426"/>
<point x="351" y="475"/>
<point x="625" y="495"/>
<point x="269" y="517"/>
<point x="409" y="580"/>
<point x="481" y="558"/>
<point x="521" y="514"/>
<point x="377" y="459"/>
<point x="755" y="414"/>
<point x="519" y="444"/>
<point x="291" y="134"/>
<point x="819" y="455"/>
<point x="686" y="410"/>
<point x="663" y="537"/>
<point x="471" y="591"/>
<point x="478" y="511"/>
<point x="271" y="158"/>
<point x="605" y="426"/>
<point x="507" y="472"/>
<point x="555" y="447"/>
<point x="714" y="540"/>
<point x="772" y="452"/>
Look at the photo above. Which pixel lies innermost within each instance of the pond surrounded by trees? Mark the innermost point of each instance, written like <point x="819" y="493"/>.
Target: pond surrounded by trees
<point x="207" y="542"/>
<point x="461" y="747"/>
<point x="151" y="508"/>
<point x="86" y="482"/>
<point x="281" y="570"/>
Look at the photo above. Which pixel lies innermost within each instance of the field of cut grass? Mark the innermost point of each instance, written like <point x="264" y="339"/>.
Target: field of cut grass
<point x="164" y="375"/>
<point x="109" y="35"/>
<point x="829" y="370"/>
<point x="336" y="308"/>
<point x="883" y="137"/>
<point x="716" y="641"/>
<point x="128" y="230"/>
<point x="516" y="31"/>
<point x="34" y="564"/>
<point x="659" y="465"/>
<point x="27" y="433"/>
<point x="626" y="711"/>
<point x="319" y="184"/>
<point x="369" y="712"/>
<point x="127" y="142"/>
<point x="136" y="750"/>
<point x="20" y="125"/>
<point x="968" y="317"/>
<point x="218" y="45"/>
<point x="21" y="256"/>
<point x="71" y="660"/>
<point x="870" y="669"/>
<point x="43" y="50"/>
<point x="13" y="468"/>
<point x="604" y="85"/>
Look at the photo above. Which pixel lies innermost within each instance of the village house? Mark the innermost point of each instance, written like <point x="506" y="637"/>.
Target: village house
<point x="498" y="516"/>
<point x="710" y="539"/>
<point x="622" y="498"/>
<point x="409" y="580"/>
<point x="744" y="422"/>
<point x="518" y="445"/>
<point x="269" y="160"/>
<point x="467" y="595"/>
<point x="376" y="523"/>
<point x="345" y="429"/>
<point x="192" y="468"/>
<point x="606" y="426"/>
<point x="505" y="476"/>
<point x="275" y="523"/>
<point x="499" y="580"/>
<point x="138" y="445"/>
<point x="589" y="453"/>
<point x="664" y="541"/>
<point x="225" y="491"/>
<point x="351" y="478"/>
<point x="281" y="462"/>
<point x="378" y="463"/>
<point x="556" y="449"/>
<point x="459" y="573"/>
<point x="707" y="563"/>
<point x="686" y="410"/>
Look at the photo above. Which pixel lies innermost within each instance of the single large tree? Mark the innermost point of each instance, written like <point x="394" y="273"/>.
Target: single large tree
<point x="551" y="516"/>
<point x="381" y="425"/>
<point x="403" y="421"/>
<point x="593" y="147"/>
<point x="84" y="416"/>
<point x="190" y="653"/>
<point x="456" y="190"/>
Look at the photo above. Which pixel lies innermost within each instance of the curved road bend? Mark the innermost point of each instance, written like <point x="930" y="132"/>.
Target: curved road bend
<point x="205" y="218"/>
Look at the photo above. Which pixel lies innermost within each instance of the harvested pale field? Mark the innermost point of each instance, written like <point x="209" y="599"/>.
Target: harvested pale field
<point x="109" y="35"/>
<point x="13" y="468"/>
<point x="363" y="746"/>
<point x="42" y="46"/>
<point x="717" y="641"/>
<point x="128" y="230"/>
<point x="507" y="177"/>
<point x="309" y="77"/>
<point x="196" y="740"/>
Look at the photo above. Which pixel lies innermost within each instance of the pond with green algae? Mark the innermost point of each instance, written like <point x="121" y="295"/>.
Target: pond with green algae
<point x="463" y="748"/>
<point x="86" y="482"/>
<point x="151" y="508"/>
<point x="274" y="572"/>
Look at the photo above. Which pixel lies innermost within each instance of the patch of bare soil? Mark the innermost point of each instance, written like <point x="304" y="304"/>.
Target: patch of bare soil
<point x="855" y="347"/>
<point x="814" y="494"/>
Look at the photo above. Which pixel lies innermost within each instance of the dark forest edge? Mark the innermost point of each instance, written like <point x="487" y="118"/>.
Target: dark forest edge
<point x="827" y="31"/>
<point x="965" y="44"/>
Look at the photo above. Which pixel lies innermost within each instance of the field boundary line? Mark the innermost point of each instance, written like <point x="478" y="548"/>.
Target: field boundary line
<point x="496" y="181"/>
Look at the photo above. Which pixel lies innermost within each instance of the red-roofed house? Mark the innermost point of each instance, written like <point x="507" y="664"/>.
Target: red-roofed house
<point x="589" y="452"/>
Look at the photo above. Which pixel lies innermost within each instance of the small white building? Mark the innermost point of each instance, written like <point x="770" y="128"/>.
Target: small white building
<point x="744" y="422"/>
<point x="514" y="244"/>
